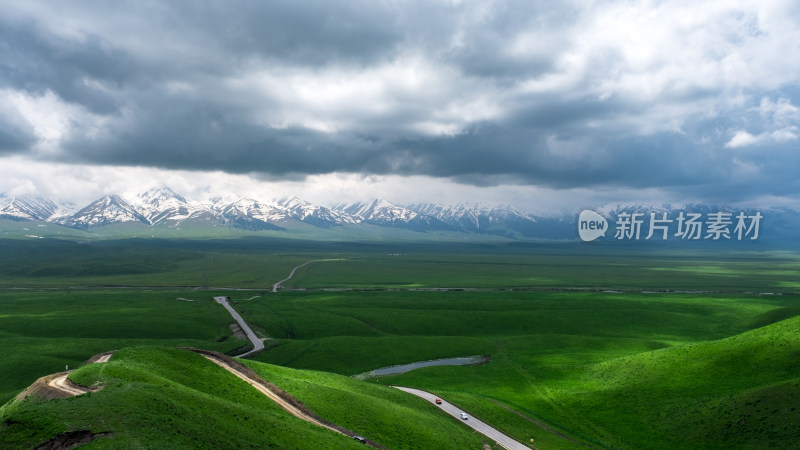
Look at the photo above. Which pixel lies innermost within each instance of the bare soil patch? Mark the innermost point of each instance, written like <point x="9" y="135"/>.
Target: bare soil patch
<point x="71" y="439"/>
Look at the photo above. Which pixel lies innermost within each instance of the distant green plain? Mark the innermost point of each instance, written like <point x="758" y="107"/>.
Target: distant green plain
<point x="257" y="263"/>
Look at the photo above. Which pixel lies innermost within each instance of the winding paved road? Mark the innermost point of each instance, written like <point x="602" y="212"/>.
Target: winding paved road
<point x="277" y="285"/>
<point x="257" y="344"/>
<point x="479" y="426"/>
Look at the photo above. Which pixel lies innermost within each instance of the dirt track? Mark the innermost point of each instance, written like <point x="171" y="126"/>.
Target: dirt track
<point x="283" y="399"/>
<point x="293" y="410"/>
<point x="62" y="383"/>
<point x="57" y="385"/>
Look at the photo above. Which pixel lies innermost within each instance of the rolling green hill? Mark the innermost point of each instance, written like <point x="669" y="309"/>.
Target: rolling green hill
<point x="732" y="393"/>
<point x="42" y="331"/>
<point x="170" y="398"/>
<point x="739" y="392"/>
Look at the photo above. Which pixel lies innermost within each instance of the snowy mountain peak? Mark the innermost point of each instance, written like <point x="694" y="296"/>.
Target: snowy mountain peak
<point x="107" y="210"/>
<point x="32" y="208"/>
<point x="292" y="201"/>
<point x="162" y="204"/>
<point x="378" y="210"/>
<point x="159" y="196"/>
<point x="383" y="213"/>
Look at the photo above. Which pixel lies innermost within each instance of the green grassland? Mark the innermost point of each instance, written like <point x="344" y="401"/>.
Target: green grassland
<point x="170" y="398"/>
<point x="323" y="326"/>
<point x="43" y="331"/>
<point x="736" y="392"/>
<point x="584" y="338"/>
<point x="146" y="263"/>
<point x="385" y="415"/>
<point x="257" y="263"/>
<point x="553" y="354"/>
<point x="559" y="266"/>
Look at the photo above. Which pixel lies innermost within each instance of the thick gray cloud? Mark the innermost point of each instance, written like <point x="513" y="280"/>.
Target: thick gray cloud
<point x="15" y="135"/>
<point x="681" y="96"/>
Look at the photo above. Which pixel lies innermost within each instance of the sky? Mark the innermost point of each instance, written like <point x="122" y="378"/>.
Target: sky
<point x="539" y="104"/>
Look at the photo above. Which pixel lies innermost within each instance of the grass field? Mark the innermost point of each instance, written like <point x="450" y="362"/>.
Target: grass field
<point x="258" y="263"/>
<point x="550" y="350"/>
<point x="583" y="339"/>
<point x="171" y="398"/>
<point x="560" y="266"/>
<point x="41" y="332"/>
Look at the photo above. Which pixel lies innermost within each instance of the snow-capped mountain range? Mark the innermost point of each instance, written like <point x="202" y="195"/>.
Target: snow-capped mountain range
<point x="163" y="207"/>
<point x="33" y="208"/>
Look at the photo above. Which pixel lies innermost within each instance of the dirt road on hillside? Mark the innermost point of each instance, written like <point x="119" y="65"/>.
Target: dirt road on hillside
<point x="282" y="398"/>
<point x="58" y="385"/>
<point x="62" y="383"/>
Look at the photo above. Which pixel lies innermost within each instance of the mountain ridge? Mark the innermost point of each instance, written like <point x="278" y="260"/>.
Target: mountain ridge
<point x="162" y="207"/>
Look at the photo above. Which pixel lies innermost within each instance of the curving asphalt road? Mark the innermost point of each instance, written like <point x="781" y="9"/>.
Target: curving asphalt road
<point x="257" y="344"/>
<point x="481" y="427"/>
<point x="478" y="425"/>
<point x="277" y="285"/>
<point x="291" y="274"/>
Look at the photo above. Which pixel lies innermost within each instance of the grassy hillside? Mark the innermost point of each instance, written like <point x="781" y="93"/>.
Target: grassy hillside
<point x="572" y="360"/>
<point x="353" y="332"/>
<point x="42" y="331"/>
<point x="739" y="392"/>
<point x="542" y="345"/>
<point x="171" y="398"/>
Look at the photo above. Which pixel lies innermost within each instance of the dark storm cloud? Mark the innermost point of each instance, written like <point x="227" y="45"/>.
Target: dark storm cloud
<point x="613" y="96"/>
<point x="37" y="63"/>
<point x="15" y="135"/>
<point x="182" y="40"/>
<point x="192" y="134"/>
<point x="196" y="135"/>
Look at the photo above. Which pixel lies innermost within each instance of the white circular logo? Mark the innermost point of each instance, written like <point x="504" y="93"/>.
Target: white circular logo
<point x="591" y="225"/>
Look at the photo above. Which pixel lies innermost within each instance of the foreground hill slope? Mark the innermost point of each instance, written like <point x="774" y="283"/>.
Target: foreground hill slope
<point x="171" y="398"/>
<point x="739" y="392"/>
